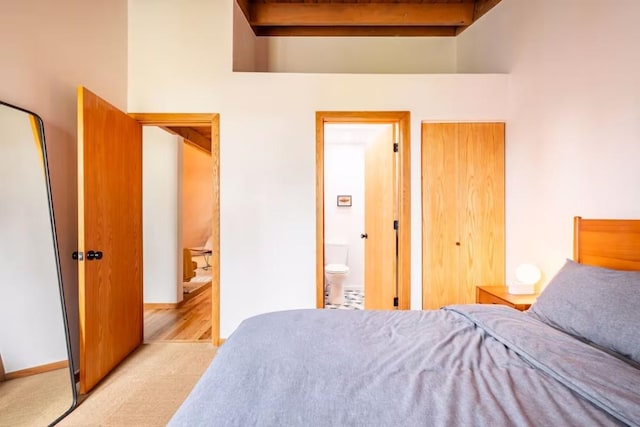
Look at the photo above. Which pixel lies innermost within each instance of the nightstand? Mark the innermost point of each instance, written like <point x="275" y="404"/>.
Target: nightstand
<point x="501" y="295"/>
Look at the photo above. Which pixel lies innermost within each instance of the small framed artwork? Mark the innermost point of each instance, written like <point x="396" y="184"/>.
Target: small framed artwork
<point x="344" y="200"/>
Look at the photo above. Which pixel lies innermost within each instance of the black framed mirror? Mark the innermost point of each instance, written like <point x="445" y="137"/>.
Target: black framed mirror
<point x="37" y="385"/>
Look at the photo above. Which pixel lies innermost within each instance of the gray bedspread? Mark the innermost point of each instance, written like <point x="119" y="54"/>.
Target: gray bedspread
<point x="471" y="365"/>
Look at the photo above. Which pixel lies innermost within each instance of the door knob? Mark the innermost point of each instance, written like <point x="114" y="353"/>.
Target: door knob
<point x="364" y="236"/>
<point x="91" y="255"/>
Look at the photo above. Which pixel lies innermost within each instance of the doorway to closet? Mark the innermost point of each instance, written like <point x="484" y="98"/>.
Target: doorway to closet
<point x="362" y="210"/>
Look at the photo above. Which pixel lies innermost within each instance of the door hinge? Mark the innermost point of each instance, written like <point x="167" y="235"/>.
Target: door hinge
<point x="396" y="224"/>
<point x="395" y="301"/>
<point x="395" y="147"/>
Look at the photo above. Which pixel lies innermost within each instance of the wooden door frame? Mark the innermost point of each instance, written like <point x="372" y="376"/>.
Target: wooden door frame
<point x="201" y="120"/>
<point x="403" y="120"/>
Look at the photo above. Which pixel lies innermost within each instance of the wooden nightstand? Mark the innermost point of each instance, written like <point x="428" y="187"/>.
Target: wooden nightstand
<point x="501" y="295"/>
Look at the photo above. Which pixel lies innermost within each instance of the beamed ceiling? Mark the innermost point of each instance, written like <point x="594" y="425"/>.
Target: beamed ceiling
<point x="443" y="18"/>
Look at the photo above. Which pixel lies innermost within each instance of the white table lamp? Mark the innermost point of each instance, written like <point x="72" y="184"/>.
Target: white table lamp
<point x="527" y="276"/>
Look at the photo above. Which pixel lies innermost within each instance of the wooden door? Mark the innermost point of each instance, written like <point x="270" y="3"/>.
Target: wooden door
<point x="462" y="210"/>
<point x="110" y="223"/>
<point x="481" y="202"/>
<point x="380" y="207"/>
<point x="439" y="218"/>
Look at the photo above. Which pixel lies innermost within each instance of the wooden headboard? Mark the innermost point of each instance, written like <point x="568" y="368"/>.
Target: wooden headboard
<point x="610" y="243"/>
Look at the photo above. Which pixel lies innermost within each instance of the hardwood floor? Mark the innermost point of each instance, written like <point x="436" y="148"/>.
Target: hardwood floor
<point x="189" y="322"/>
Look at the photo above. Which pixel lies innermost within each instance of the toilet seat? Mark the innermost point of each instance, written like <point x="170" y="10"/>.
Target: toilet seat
<point x="336" y="268"/>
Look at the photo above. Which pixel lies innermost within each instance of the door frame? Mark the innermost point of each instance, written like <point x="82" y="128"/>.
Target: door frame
<point x="212" y="120"/>
<point x="403" y="120"/>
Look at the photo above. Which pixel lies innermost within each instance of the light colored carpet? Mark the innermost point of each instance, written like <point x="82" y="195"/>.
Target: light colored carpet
<point x="35" y="400"/>
<point x="147" y="388"/>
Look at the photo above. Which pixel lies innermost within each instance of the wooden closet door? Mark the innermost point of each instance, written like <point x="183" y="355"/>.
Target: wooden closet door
<point x="481" y="206"/>
<point x="462" y="210"/>
<point x="440" y="284"/>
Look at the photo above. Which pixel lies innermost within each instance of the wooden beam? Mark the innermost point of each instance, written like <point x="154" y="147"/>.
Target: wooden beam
<point x="411" y="31"/>
<point x="174" y="119"/>
<point x="361" y="14"/>
<point x="483" y="6"/>
<point x="245" y="7"/>
<point x="191" y="135"/>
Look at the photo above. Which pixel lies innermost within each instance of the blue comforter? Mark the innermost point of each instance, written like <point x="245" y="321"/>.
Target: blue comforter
<point x="471" y="365"/>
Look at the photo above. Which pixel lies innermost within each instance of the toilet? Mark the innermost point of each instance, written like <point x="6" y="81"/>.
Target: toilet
<point x="336" y="270"/>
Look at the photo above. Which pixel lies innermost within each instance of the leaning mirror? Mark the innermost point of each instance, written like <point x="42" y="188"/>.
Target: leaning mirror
<point x="37" y="386"/>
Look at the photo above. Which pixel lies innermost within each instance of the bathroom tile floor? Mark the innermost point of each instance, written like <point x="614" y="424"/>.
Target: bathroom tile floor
<point x="353" y="300"/>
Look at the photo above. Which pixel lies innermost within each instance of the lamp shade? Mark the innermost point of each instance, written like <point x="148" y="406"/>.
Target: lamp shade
<point x="528" y="274"/>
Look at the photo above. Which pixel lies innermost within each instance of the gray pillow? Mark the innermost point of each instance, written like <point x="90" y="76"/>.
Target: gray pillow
<point x="596" y="304"/>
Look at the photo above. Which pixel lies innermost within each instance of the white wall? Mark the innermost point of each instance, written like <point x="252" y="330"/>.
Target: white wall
<point x="47" y="49"/>
<point x="31" y="323"/>
<point x="344" y="174"/>
<point x="268" y="142"/>
<point x="372" y="55"/>
<point x="572" y="137"/>
<point x="161" y="216"/>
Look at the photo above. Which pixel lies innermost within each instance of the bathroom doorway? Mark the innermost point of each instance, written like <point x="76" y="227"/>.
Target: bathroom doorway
<point x="363" y="230"/>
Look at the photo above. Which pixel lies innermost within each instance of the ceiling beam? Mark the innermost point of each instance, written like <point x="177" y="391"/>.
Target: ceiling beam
<point x="394" y="31"/>
<point x="191" y="135"/>
<point x="482" y="7"/>
<point x="245" y="6"/>
<point x="361" y="14"/>
<point x="174" y="119"/>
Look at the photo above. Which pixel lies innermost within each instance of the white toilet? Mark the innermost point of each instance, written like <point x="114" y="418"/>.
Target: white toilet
<point x="336" y="256"/>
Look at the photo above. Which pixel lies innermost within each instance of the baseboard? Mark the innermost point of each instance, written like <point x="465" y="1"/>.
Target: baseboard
<point x="172" y="305"/>
<point x="36" y="370"/>
<point x="162" y="305"/>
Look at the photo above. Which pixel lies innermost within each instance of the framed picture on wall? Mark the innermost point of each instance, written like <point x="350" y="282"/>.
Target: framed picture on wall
<point x="344" y="200"/>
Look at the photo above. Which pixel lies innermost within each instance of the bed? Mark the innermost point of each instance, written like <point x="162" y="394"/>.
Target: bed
<point x="573" y="359"/>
